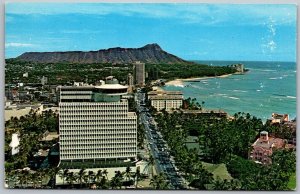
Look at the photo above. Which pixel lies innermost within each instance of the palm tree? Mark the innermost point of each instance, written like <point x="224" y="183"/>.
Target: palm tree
<point x="81" y="174"/>
<point x="202" y="176"/>
<point x="128" y="173"/>
<point x="53" y="172"/>
<point x="41" y="176"/>
<point x="91" y="178"/>
<point x="159" y="181"/>
<point x="202" y="104"/>
<point x="99" y="175"/>
<point x="151" y="163"/>
<point x="117" y="180"/>
<point x="71" y="178"/>
<point x="105" y="173"/>
<point x="235" y="184"/>
<point x="15" y="177"/>
<point x="26" y="176"/>
<point x="86" y="179"/>
<point x="15" y="122"/>
<point x="219" y="184"/>
<point x="104" y="183"/>
<point x="114" y="183"/>
<point x="137" y="176"/>
<point x="31" y="180"/>
<point x="63" y="174"/>
<point x="21" y="178"/>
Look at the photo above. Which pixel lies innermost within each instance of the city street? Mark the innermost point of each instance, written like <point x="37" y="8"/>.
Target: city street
<point x="158" y="147"/>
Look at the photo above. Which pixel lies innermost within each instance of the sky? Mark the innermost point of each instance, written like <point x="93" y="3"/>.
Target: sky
<point x="235" y="32"/>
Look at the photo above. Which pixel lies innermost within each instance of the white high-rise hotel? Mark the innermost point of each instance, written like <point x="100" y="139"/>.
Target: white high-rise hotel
<point x="94" y="123"/>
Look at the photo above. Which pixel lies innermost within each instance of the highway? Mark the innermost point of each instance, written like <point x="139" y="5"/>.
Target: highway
<point x="158" y="147"/>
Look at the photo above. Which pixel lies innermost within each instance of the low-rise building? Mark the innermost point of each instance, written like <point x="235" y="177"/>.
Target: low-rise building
<point x="25" y="74"/>
<point x="130" y="83"/>
<point x="18" y="110"/>
<point x="49" y="136"/>
<point x="284" y="126"/>
<point x="264" y="146"/>
<point x="279" y="118"/>
<point x="15" y="142"/>
<point x="215" y="113"/>
<point x="168" y="100"/>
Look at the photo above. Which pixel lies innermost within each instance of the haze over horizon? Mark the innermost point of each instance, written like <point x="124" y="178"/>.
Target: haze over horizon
<point x="189" y="31"/>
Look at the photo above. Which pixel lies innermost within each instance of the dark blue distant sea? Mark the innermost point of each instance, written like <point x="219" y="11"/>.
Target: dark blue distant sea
<point x="266" y="88"/>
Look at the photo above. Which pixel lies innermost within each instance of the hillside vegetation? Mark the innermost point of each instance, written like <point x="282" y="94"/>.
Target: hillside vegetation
<point x="62" y="73"/>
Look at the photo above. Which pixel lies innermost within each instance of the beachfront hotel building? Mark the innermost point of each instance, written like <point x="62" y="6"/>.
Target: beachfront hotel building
<point x="95" y="125"/>
<point x="168" y="100"/>
<point x="139" y="72"/>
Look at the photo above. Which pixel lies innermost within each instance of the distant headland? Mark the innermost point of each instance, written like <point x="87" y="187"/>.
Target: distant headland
<point x="150" y="53"/>
<point x="91" y="65"/>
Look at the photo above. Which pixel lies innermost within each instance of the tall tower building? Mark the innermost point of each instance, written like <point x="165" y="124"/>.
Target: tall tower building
<point x="139" y="69"/>
<point x="95" y="125"/>
<point x="130" y="80"/>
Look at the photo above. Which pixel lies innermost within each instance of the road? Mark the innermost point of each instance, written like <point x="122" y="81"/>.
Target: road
<point x="158" y="147"/>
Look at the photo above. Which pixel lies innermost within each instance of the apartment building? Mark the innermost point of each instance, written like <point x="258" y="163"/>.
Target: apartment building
<point x="139" y="71"/>
<point x="168" y="100"/>
<point x="94" y="123"/>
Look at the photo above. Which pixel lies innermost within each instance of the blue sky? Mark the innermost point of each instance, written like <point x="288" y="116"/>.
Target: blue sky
<point x="190" y="31"/>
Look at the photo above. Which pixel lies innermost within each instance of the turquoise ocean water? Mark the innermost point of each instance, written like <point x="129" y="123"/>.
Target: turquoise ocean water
<point x="266" y="88"/>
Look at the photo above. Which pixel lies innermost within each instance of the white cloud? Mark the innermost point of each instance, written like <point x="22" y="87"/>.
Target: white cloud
<point x="197" y="53"/>
<point x="268" y="44"/>
<point x="82" y="31"/>
<point x="17" y="44"/>
<point x="187" y="13"/>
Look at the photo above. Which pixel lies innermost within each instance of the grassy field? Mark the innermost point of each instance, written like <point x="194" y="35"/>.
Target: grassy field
<point x="292" y="182"/>
<point x="217" y="170"/>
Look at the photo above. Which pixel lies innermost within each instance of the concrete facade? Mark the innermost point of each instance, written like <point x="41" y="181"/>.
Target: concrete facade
<point x="130" y="80"/>
<point x="94" y="123"/>
<point x="139" y="69"/>
<point x="167" y="100"/>
<point x="263" y="147"/>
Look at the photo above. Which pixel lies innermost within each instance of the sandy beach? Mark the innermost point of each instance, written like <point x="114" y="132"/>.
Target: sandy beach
<point x="179" y="82"/>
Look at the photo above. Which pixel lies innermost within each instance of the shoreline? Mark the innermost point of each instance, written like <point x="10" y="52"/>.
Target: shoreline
<point x="179" y="82"/>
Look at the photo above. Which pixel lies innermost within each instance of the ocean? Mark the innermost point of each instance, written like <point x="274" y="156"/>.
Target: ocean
<point x="266" y="88"/>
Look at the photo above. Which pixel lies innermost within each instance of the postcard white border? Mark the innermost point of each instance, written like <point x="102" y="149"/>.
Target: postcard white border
<point x="2" y="43"/>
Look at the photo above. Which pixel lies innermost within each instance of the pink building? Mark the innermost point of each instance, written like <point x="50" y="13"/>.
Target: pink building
<point x="264" y="146"/>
